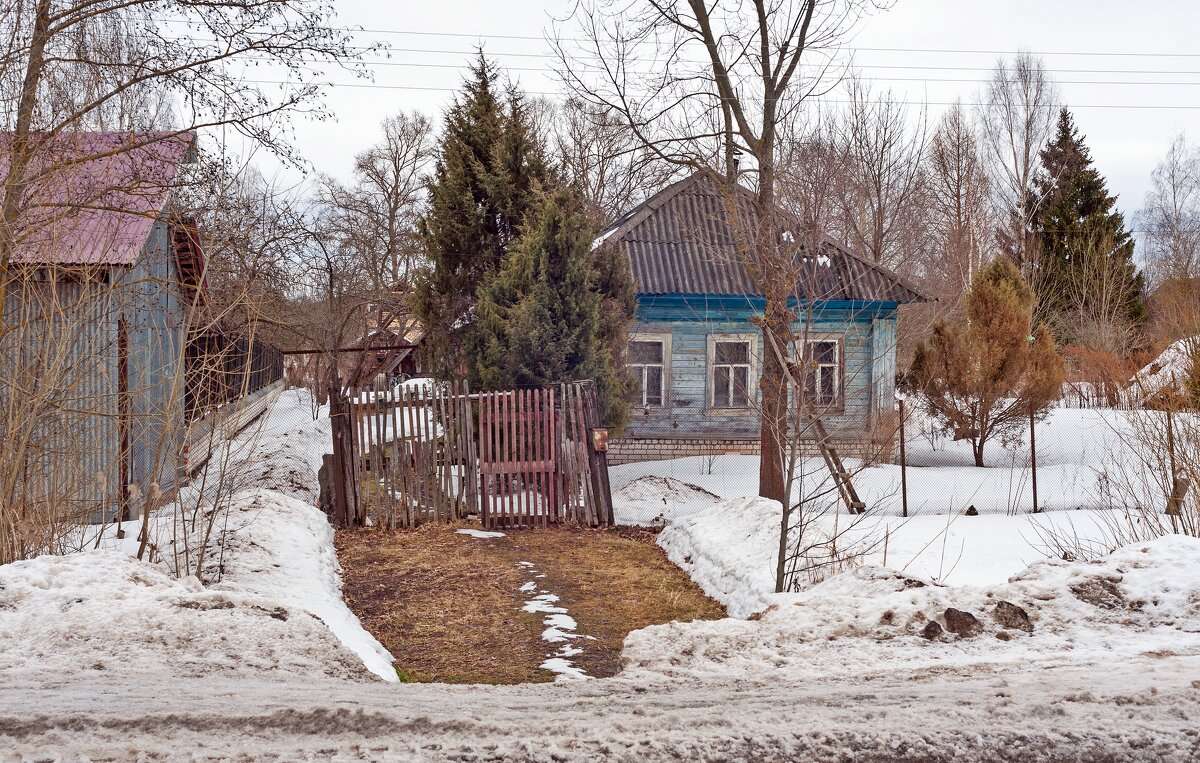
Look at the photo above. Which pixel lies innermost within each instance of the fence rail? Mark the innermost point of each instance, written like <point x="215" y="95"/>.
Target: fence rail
<point x="221" y="368"/>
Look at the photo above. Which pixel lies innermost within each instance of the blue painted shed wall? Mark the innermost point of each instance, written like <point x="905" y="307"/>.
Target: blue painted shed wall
<point x="154" y="314"/>
<point x="867" y="331"/>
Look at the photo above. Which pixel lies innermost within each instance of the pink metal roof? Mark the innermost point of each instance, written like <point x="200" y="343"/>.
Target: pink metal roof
<point x="93" y="197"/>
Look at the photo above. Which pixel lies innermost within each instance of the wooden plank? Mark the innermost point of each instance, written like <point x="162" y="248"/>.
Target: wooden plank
<point x="488" y="444"/>
<point x="549" y="433"/>
<point x="472" y="464"/>
<point x="400" y="455"/>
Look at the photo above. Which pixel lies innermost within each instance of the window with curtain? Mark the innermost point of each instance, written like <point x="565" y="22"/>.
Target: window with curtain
<point x="647" y="361"/>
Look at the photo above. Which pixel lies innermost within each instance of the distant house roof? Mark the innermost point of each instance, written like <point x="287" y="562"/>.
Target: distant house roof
<point x="682" y="241"/>
<point x="93" y="197"/>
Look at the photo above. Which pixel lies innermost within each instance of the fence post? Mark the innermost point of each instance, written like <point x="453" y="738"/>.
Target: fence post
<point x="1033" y="459"/>
<point x="598" y="460"/>
<point x="345" y="492"/>
<point x="903" y="467"/>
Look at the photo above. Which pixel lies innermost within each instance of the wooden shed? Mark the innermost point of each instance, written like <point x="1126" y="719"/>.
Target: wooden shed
<point x="694" y="348"/>
<point x="104" y="280"/>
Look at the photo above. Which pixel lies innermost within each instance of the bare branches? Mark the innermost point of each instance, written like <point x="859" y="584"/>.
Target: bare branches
<point x="137" y="64"/>
<point x="1171" y="215"/>
<point x="1019" y="112"/>
<point x="885" y="154"/>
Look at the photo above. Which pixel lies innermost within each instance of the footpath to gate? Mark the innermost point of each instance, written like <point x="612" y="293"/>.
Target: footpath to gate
<point x="460" y="608"/>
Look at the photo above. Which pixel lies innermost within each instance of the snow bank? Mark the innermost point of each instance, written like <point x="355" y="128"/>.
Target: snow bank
<point x="729" y="550"/>
<point x="284" y="451"/>
<point x="1170" y="370"/>
<point x="104" y="611"/>
<point x="1142" y="600"/>
<point x="272" y="548"/>
<point x="652" y="500"/>
<point x="282" y="548"/>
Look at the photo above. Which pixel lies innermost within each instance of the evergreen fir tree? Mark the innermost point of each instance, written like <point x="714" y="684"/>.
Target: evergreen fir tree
<point x="544" y="318"/>
<point x="489" y="167"/>
<point x="1085" y="268"/>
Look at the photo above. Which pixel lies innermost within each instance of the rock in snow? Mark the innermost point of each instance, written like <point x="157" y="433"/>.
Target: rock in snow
<point x="962" y="624"/>
<point x="1009" y="615"/>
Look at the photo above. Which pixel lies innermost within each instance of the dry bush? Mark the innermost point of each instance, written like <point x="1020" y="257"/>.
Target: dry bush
<point x="1095" y="377"/>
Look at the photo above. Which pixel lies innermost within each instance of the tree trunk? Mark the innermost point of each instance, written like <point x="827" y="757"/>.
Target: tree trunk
<point x="19" y="149"/>
<point x="977" y="450"/>
<point x="773" y="425"/>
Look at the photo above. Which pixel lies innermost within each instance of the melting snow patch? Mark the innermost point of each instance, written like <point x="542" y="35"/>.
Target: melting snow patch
<point x="563" y="667"/>
<point x="479" y="533"/>
<point x="560" y="629"/>
<point x="654" y="499"/>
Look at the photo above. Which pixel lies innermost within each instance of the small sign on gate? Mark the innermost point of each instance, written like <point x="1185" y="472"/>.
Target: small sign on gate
<point x="600" y="440"/>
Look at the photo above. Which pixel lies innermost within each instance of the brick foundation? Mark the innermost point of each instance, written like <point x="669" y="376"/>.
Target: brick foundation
<point x="628" y="450"/>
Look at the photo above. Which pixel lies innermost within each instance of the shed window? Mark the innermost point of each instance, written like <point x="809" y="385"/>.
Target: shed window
<point x="823" y="378"/>
<point x="730" y="369"/>
<point x="647" y="361"/>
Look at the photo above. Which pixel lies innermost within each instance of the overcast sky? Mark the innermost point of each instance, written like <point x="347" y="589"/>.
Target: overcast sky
<point x="1155" y="40"/>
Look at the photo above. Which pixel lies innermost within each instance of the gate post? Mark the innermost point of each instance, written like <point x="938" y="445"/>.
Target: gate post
<point x="344" y="482"/>
<point x="598" y="460"/>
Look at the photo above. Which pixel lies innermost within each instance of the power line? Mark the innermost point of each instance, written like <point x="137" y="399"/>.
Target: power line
<point x="544" y="70"/>
<point x="957" y="51"/>
<point x="375" y="85"/>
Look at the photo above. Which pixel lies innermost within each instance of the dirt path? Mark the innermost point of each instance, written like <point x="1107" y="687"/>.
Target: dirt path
<point x="450" y="607"/>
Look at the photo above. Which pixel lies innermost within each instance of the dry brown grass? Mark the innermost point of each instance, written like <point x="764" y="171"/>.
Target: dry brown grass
<point x="448" y="606"/>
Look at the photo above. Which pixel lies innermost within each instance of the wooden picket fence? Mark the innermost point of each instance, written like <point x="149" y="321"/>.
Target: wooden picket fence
<point x="518" y="458"/>
<point x="537" y="463"/>
<point x="415" y="453"/>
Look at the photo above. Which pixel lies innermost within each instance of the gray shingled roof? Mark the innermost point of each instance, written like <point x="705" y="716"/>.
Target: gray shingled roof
<point x="681" y="241"/>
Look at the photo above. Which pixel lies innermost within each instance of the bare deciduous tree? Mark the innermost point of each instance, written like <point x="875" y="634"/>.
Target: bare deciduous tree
<point x="959" y="205"/>
<point x="375" y="215"/>
<point x="599" y="155"/>
<point x="1170" y="215"/>
<point x="885" y="150"/>
<point x="1017" y="114"/>
<point x="81" y="64"/>
<point x="696" y="80"/>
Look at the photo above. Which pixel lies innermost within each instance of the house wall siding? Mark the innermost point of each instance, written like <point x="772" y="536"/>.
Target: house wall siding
<point x="867" y="333"/>
<point x="154" y="315"/>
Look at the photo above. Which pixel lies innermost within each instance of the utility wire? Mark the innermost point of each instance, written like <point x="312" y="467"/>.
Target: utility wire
<point x="954" y="51"/>
<point x="377" y="86"/>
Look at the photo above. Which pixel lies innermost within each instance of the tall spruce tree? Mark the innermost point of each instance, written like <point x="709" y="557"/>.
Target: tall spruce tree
<point x="489" y="168"/>
<point x="552" y="311"/>
<point x="1085" y="274"/>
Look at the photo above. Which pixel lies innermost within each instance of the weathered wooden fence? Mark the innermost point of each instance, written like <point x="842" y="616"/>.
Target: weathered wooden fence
<point x="538" y="462"/>
<point x="414" y="449"/>
<point x="518" y="458"/>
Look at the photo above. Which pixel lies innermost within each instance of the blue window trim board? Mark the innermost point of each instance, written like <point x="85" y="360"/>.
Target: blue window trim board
<point x="701" y="307"/>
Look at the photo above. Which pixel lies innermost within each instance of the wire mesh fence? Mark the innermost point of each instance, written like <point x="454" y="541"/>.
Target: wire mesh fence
<point x="1069" y="457"/>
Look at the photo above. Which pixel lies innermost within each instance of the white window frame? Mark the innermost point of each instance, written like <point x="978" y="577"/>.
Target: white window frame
<point x="839" y="399"/>
<point x="665" y="340"/>
<point x="751" y="376"/>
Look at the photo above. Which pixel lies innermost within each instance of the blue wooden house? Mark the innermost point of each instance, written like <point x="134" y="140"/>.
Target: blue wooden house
<point x="695" y="351"/>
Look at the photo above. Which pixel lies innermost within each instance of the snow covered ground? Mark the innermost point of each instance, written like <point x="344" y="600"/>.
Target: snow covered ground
<point x="1074" y="447"/>
<point x="731" y="548"/>
<point x="1080" y="662"/>
<point x="105" y="657"/>
<point x="274" y="602"/>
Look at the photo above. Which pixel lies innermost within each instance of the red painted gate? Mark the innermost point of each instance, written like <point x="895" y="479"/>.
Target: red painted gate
<point x="518" y="453"/>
